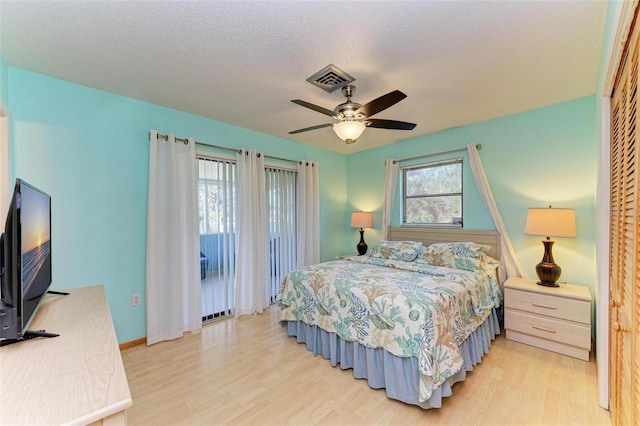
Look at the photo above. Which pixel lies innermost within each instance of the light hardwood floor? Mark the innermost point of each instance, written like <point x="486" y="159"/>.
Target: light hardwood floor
<point x="246" y="371"/>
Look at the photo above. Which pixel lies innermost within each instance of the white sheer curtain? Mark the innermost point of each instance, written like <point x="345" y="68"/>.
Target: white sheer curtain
<point x="390" y="184"/>
<point x="308" y="212"/>
<point x="510" y="265"/>
<point x="252" y="288"/>
<point x="173" y="270"/>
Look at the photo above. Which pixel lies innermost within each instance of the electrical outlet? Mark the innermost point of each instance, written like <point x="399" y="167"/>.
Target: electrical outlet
<point x="135" y="300"/>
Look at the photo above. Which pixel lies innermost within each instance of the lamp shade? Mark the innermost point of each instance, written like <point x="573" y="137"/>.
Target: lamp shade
<point x="551" y="222"/>
<point x="361" y="219"/>
<point x="349" y="129"/>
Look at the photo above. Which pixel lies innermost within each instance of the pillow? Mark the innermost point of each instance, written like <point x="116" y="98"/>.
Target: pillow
<point x="396" y="250"/>
<point x="462" y="255"/>
<point x="490" y="266"/>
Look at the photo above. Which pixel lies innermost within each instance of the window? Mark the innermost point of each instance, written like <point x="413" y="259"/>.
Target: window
<point x="215" y="195"/>
<point x="432" y="194"/>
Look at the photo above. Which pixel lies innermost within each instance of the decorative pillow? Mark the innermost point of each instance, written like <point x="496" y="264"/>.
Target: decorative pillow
<point x="490" y="265"/>
<point x="463" y="255"/>
<point x="396" y="250"/>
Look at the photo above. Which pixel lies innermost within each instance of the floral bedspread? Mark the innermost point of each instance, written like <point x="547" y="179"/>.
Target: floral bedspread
<point x="407" y="308"/>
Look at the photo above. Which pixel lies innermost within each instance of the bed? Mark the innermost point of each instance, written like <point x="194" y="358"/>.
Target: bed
<point x="413" y="316"/>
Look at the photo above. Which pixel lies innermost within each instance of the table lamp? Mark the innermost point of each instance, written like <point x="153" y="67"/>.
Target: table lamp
<point x="550" y="222"/>
<point x="361" y="220"/>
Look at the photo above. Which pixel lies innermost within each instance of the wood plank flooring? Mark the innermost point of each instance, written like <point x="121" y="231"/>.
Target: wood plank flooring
<point x="246" y="371"/>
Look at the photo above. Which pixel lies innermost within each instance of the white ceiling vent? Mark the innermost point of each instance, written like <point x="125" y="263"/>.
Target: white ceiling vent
<point x="330" y="78"/>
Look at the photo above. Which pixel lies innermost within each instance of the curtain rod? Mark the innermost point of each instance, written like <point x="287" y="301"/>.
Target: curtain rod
<point x="224" y="148"/>
<point x="478" y="146"/>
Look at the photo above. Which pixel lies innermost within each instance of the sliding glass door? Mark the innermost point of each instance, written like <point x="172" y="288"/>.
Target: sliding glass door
<point x="281" y="211"/>
<point x="217" y="209"/>
<point x="217" y="203"/>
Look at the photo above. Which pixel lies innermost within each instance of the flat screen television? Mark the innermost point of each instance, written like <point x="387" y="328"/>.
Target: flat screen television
<point x="25" y="261"/>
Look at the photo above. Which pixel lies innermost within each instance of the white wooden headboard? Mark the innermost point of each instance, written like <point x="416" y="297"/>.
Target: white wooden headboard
<point x="444" y="235"/>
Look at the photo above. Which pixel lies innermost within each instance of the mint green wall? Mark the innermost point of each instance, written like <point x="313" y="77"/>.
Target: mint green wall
<point x="89" y="150"/>
<point x="532" y="159"/>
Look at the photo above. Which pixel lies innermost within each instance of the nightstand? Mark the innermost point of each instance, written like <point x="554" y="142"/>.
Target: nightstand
<point x="344" y="256"/>
<point x="557" y="319"/>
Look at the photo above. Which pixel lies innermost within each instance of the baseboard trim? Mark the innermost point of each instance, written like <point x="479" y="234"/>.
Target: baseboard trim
<point x="132" y="343"/>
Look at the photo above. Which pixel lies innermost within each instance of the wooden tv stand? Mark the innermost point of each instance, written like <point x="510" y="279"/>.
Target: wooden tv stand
<point x="76" y="378"/>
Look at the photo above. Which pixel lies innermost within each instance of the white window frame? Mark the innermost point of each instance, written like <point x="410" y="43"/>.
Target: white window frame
<point x="459" y="221"/>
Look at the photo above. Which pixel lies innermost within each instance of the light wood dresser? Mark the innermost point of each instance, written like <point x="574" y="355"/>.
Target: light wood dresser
<point x="76" y="378"/>
<point x="553" y="318"/>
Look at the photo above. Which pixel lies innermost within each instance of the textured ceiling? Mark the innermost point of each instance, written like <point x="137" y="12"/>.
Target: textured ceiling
<point x="241" y="62"/>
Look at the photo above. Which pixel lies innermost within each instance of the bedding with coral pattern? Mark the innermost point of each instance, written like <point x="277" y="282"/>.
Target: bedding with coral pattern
<point x="411" y="309"/>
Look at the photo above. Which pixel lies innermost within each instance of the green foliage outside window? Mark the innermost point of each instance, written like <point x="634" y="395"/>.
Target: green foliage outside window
<point x="433" y="194"/>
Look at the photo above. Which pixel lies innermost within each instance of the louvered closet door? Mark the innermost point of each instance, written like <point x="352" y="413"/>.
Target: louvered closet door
<point x="624" y="268"/>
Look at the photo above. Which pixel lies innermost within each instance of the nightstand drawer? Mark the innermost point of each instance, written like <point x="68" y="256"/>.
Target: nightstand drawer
<point x="548" y="328"/>
<point x="549" y="305"/>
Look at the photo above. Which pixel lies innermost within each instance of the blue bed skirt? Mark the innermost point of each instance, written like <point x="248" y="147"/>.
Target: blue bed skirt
<point x="399" y="376"/>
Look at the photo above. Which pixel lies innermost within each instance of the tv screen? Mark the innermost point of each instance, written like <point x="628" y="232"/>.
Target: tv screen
<point x="27" y="253"/>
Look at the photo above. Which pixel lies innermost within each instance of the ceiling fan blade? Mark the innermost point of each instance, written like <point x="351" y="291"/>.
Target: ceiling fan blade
<point x="306" y="129"/>
<point x="317" y="108"/>
<point x="381" y="103"/>
<point x="390" y="124"/>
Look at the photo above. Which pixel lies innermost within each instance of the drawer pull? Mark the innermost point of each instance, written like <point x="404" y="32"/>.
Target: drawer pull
<point x="540" y="305"/>
<point x="549" y="330"/>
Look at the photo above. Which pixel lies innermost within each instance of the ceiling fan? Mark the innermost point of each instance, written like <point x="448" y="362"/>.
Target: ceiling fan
<point x="354" y="118"/>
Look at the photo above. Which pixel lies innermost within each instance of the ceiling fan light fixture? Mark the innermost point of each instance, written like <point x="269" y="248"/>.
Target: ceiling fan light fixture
<point x="349" y="130"/>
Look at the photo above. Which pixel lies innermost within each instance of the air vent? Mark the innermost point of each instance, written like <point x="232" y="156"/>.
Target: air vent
<point x="330" y="78"/>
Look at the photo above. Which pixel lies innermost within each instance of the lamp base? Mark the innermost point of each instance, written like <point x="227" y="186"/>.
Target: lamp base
<point x="362" y="246"/>
<point x="548" y="271"/>
<point x="548" y="284"/>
